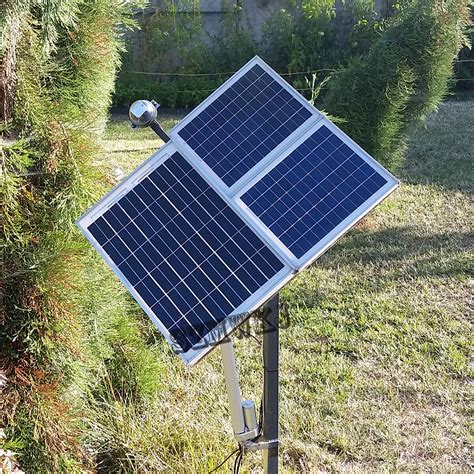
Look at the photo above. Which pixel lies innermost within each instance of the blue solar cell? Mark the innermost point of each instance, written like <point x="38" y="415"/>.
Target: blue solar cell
<point x="245" y="123"/>
<point x="313" y="190"/>
<point x="188" y="255"/>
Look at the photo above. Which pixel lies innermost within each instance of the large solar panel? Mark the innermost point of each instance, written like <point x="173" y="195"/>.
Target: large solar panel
<point x="244" y="122"/>
<point x="316" y="187"/>
<point x="253" y="186"/>
<point x="183" y="251"/>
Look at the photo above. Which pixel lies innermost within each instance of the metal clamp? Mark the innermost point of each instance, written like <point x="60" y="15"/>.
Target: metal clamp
<point x="257" y="445"/>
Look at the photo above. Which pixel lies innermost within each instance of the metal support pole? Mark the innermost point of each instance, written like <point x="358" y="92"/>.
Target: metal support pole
<point x="157" y="128"/>
<point x="271" y="384"/>
<point x="232" y="385"/>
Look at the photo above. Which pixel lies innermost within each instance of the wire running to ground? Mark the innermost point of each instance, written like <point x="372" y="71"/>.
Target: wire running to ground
<point x="225" y="460"/>
<point x="238" y="460"/>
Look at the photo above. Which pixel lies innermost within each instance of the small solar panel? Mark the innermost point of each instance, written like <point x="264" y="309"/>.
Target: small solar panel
<point x="186" y="254"/>
<point x="244" y="123"/>
<point x="315" y="188"/>
<point x="253" y="186"/>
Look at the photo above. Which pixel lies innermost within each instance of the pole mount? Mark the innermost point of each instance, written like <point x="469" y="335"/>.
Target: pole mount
<point x="257" y="445"/>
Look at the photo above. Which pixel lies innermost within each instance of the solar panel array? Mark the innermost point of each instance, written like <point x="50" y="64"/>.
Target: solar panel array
<point x="189" y="256"/>
<point x="199" y="257"/>
<point x="313" y="190"/>
<point x="244" y="123"/>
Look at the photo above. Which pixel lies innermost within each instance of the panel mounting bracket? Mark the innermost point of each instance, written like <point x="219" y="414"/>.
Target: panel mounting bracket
<point x="257" y="445"/>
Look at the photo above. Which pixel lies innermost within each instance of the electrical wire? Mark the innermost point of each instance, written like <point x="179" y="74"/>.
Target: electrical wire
<point x="260" y="415"/>
<point x="225" y="460"/>
<point x="238" y="460"/>
<point x="249" y="334"/>
<point x="184" y="74"/>
<point x="228" y="73"/>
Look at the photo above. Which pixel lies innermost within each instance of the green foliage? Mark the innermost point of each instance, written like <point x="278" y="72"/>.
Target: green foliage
<point x="15" y="162"/>
<point x="234" y="45"/>
<point x="368" y="26"/>
<point x="309" y="36"/>
<point x="176" y="92"/>
<point x="175" y="38"/>
<point x="66" y="57"/>
<point x="403" y="77"/>
<point x="317" y="33"/>
<point x="283" y="49"/>
<point x="174" y="35"/>
<point x="465" y="67"/>
<point x="313" y="37"/>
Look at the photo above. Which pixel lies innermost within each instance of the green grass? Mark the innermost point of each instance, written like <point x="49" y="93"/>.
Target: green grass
<point x="126" y="148"/>
<point x="375" y="364"/>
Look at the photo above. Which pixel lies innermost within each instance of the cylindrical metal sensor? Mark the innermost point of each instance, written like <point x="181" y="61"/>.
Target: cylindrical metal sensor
<point x="250" y="417"/>
<point x="142" y="113"/>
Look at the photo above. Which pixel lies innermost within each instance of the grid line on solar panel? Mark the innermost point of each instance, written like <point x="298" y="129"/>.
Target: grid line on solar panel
<point x="243" y="124"/>
<point x="188" y="255"/>
<point x="310" y="192"/>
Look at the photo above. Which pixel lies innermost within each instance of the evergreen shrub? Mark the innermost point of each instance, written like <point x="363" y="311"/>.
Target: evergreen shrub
<point x="65" y="321"/>
<point x="403" y="77"/>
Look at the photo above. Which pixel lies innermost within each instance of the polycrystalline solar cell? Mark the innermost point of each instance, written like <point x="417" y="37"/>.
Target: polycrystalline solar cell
<point x="245" y="123"/>
<point x="313" y="190"/>
<point x="188" y="255"/>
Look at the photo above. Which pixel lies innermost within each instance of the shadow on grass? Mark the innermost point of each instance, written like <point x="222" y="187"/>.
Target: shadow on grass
<point x="407" y="252"/>
<point x="371" y="262"/>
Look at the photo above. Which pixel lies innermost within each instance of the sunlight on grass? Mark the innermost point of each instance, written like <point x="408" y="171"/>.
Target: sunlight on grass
<point x="126" y="148"/>
<point x="375" y="362"/>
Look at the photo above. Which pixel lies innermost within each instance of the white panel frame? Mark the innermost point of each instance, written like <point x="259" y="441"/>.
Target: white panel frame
<point x="199" y="163"/>
<point x="242" y="312"/>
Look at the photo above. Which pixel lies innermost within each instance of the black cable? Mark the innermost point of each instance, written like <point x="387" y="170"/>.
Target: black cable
<point x="238" y="460"/>
<point x="252" y="336"/>
<point x="225" y="460"/>
<point x="260" y="416"/>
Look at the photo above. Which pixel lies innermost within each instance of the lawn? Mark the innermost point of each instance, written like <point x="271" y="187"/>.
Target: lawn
<point x="375" y="366"/>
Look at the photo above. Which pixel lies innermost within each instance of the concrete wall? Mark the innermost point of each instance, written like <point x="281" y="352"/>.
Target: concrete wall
<point x="255" y="14"/>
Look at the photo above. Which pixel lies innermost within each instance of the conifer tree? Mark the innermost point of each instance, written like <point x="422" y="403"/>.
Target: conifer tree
<point x="58" y="61"/>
